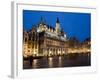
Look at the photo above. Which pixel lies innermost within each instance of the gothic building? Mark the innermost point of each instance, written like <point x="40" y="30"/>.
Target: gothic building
<point x="44" y="40"/>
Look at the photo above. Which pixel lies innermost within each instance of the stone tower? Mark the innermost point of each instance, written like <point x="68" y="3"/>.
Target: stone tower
<point x="58" y="30"/>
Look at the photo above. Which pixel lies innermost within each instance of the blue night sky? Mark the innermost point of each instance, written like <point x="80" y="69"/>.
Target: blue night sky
<point x="74" y="24"/>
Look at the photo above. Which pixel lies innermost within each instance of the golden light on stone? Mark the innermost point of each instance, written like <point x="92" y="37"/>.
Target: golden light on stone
<point x="47" y="41"/>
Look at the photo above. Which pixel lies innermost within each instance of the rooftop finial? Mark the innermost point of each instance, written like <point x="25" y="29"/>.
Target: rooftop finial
<point x="57" y="20"/>
<point x="42" y="20"/>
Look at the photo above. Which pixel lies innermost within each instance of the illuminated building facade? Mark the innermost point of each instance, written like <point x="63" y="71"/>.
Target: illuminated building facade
<point x="44" y="40"/>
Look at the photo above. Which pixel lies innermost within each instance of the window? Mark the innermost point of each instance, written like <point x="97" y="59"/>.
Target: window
<point x="28" y="50"/>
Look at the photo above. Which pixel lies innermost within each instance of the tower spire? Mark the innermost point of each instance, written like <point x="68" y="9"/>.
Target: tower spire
<point x="42" y="20"/>
<point x="57" y="20"/>
<point x="58" y="29"/>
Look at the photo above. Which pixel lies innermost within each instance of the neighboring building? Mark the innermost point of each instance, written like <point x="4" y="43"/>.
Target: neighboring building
<point x="44" y="40"/>
<point x="74" y="46"/>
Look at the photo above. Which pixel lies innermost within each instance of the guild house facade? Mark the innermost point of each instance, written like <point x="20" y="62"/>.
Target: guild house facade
<point x="44" y="40"/>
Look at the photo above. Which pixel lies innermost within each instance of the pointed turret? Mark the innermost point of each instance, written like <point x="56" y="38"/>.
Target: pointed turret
<point x="42" y="24"/>
<point x="57" y="20"/>
<point x="42" y="21"/>
<point x="58" y="31"/>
